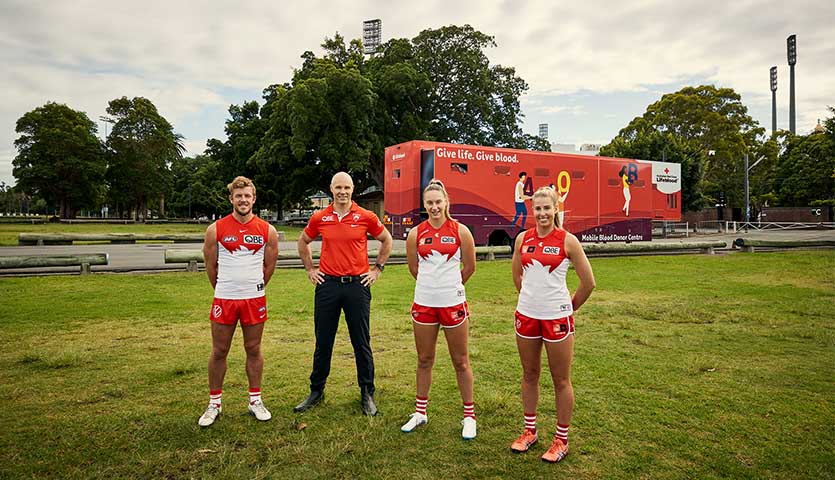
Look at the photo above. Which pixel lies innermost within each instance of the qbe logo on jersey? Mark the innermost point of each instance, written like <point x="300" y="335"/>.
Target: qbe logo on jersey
<point x="551" y="250"/>
<point x="447" y="240"/>
<point x="254" y="239"/>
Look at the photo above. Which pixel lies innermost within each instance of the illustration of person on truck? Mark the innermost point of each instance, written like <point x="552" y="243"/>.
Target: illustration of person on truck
<point x="627" y="181"/>
<point x="519" y="198"/>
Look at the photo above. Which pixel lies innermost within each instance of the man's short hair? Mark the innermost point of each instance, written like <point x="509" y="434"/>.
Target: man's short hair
<point x="523" y="174"/>
<point x="240" y="182"/>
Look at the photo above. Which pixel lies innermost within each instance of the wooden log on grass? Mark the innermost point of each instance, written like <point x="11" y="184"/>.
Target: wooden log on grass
<point x="116" y="238"/>
<point x="748" y="244"/>
<point x="39" y="261"/>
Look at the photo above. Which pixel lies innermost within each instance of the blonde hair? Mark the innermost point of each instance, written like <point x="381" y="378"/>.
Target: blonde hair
<point x="436" y="185"/>
<point x="240" y="182"/>
<point x="549" y="193"/>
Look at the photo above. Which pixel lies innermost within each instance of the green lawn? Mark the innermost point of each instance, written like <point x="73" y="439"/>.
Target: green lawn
<point x="686" y="367"/>
<point x="9" y="231"/>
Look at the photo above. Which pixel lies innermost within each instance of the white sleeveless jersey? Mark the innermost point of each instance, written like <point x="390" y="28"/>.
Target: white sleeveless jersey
<point x="544" y="294"/>
<point x="439" y="266"/>
<point x="240" y="258"/>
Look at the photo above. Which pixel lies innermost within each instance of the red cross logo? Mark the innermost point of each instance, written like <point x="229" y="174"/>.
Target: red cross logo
<point x="666" y="170"/>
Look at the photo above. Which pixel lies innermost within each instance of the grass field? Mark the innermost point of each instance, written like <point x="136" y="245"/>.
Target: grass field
<point x="686" y="367"/>
<point x="9" y="231"/>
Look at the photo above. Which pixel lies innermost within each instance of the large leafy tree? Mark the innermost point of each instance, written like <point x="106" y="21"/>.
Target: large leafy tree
<point x="471" y="101"/>
<point x="699" y="119"/>
<point x="806" y="169"/>
<point x="402" y="110"/>
<point x="320" y="124"/>
<point x="244" y="130"/>
<point x="141" y="147"/>
<point x="59" y="159"/>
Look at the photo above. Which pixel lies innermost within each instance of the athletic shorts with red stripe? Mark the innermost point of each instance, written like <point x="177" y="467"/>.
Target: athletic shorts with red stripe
<point x="549" y="330"/>
<point x="446" y="317"/>
<point x="251" y="311"/>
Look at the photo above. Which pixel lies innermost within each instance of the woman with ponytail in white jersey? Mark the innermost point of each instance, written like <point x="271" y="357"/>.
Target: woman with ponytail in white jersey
<point x="436" y="250"/>
<point x="544" y="316"/>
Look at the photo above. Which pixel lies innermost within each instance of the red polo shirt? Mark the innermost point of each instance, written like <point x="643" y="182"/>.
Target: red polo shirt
<point x="344" y="240"/>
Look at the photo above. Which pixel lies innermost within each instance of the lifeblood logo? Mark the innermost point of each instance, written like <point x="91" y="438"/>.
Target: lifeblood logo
<point x="217" y="311"/>
<point x="254" y="239"/>
<point x="551" y="250"/>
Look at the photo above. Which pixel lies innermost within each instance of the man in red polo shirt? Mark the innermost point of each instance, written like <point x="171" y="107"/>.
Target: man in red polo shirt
<point x="343" y="283"/>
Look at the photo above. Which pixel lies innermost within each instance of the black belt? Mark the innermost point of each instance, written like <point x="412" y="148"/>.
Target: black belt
<point x="343" y="279"/>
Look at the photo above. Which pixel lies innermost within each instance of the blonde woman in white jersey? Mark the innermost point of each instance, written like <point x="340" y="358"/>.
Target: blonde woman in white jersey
<point x="441" y="257"/>
<point x="544" y="316"/>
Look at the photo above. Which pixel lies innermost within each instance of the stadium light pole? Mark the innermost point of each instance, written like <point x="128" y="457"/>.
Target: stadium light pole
<point x="773" y="73"/>
<point x="791" y="52"/>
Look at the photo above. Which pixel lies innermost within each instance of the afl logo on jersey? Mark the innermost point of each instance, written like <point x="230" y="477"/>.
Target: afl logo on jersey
<point x="551" y="250"/>
<point x="230" y="239"/>
<point x="447" y="240"/>
<point x="254" y="239"/>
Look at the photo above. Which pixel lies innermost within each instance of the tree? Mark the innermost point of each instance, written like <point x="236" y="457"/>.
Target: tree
<point x="319" y="125"/>
<point x="59" y="159"/>
<point x="703" y="119"/>
<point x="244" y="131"/>
<point x="402" y="110"/>
<point x="471" y="101"/>
<point x="141" y="147"/>
<point x="199" y="187"/>
<point x="806" y="169"/>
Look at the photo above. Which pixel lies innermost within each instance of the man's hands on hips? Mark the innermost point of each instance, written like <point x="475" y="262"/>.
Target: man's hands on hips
<point x="369" y="277"/>
<point x="315" y="276"/>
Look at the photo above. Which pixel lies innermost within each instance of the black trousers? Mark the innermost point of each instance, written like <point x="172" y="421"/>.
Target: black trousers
<point x="332" y="297"/>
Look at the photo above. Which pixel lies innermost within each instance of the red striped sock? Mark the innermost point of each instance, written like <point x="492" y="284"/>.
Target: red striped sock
<point x="469" y="410"/>
<point x="254" y="395"/>
<point x="530" y="422"/>
<point x="420" y="405"/>
<point x="562" y="433"/>
<point x="214" y="397"/>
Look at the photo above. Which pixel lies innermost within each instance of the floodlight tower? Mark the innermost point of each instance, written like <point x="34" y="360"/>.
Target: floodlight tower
<point x="543" y="130"/>
<point x="773" y="99"/>
<point x="372" y="35"/>
<point x="791" y="46"/>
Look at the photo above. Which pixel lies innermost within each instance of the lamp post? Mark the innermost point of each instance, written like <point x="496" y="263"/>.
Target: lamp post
<point x="773" y="73"/>
<point x="791" y="52"/>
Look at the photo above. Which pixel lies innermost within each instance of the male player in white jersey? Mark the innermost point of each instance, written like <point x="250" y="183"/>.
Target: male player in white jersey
<point x="240" y="251"/>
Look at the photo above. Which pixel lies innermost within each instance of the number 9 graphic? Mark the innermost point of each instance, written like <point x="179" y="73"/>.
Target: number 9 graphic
<point x="563" y="181"/>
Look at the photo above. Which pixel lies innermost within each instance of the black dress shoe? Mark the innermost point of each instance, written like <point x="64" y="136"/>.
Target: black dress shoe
<point x="314" y="398"/>
<point x="368" y="406"/>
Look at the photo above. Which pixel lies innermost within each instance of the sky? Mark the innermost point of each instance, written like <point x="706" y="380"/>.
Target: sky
<point x="591" y="66"/>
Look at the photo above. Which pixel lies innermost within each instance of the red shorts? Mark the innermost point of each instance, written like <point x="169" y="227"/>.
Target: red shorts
<point x="548" y="330"/>
<point x="251" y="311"/>
<point x="446" y="317"/>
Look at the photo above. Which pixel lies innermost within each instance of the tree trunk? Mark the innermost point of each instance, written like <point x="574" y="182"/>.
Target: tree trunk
<point x="162" y="205"/>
